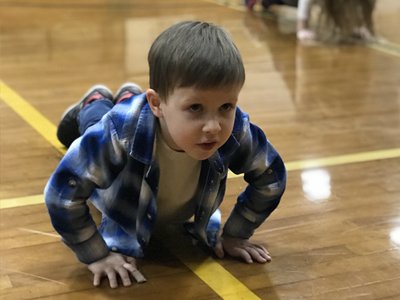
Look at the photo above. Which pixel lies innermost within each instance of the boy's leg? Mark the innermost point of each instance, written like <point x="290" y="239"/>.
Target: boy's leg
<point x="77" y="118"/>
<point x="92" y="113"/>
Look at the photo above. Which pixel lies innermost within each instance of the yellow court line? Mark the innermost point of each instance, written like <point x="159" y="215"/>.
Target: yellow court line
<point x="31" y="115"/>
<point x="218" y="278"/>
<point x="337" y="160"/>
<point x="343" y="159"/>
<point x="386" y="47"/>
<point x="21" y="201"/>
<point x="290" y="166"/>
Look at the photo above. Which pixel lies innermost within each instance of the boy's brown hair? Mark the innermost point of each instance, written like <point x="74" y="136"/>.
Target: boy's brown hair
<point x="194" y="54"/>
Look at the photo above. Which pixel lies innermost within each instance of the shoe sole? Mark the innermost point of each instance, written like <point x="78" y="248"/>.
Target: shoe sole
<point x="136" y="87"/>
<point x="68" y="128"/>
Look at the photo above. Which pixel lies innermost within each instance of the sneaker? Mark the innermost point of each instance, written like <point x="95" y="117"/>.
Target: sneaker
<point x="126" y="91"/>
<point x="68" y="129"/>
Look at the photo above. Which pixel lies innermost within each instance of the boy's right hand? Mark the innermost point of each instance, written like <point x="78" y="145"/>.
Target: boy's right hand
<point x="113" y="265"/>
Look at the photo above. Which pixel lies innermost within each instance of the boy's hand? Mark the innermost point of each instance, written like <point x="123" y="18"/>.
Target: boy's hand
<point x="114" y="265"/>
<point x="241" y="248"/>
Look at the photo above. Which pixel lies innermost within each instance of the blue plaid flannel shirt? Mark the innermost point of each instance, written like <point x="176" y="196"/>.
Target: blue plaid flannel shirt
<point x="112" y="165"/>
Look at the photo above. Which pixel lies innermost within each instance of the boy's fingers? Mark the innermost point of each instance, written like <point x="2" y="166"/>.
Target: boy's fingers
<point x="112" y="278"/>
<point x="261" y="247"/>
<point x="135" y="273"/>
<point x="96" y="279"/>
<point x="253" y="252"/>
<point x="138" y="276"/>
<point x="264" y="254"/>
<point x="245" y="256"/>
<point x="219" y="250"/>
<point x="123" y="273"/>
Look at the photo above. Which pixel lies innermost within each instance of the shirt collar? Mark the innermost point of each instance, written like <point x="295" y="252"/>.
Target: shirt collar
<point x="144" y="134"/>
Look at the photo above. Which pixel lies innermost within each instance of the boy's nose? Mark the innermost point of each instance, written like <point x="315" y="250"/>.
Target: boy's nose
<point x="212" y="126"/>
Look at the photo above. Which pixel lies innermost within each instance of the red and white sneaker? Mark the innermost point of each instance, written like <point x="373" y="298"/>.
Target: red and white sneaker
<point x="126" y="91"/>
<point x="68" y="128"/>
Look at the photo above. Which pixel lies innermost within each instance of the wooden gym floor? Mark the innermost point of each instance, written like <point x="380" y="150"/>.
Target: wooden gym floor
<point x="333" y="113"/>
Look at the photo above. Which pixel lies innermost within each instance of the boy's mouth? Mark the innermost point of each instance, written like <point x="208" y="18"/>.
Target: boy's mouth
<point x="208" y="145"/>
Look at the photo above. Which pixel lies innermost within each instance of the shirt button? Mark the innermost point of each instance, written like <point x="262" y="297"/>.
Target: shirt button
<point x="149" y="217"/>
<point x="72" y="182"/>
<point x="114" y="249"/>
<point x="269" y="171"/>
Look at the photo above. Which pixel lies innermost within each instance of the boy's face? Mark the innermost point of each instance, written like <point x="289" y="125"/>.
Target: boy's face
<point x="196" y="121"/>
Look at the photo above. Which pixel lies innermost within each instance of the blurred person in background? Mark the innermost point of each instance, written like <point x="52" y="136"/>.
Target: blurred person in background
<point x="336" y="21"/>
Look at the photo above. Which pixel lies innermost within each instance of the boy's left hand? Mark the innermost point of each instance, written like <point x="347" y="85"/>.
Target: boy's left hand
<point x="241" y="248"/>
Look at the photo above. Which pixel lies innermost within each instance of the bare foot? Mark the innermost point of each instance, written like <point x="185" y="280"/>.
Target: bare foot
<point x="305" y="35"/>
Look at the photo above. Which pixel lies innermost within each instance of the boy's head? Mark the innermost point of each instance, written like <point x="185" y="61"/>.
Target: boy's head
<point x="196" y="74"/>
<point x="194" y="54"/>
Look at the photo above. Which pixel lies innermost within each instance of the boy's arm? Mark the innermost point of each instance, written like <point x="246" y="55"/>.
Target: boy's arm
<point x="265" y="173"/>
<point x="91" y="162"/>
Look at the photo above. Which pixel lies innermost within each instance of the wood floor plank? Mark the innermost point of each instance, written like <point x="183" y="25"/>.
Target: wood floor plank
<point x="336" y="233"/>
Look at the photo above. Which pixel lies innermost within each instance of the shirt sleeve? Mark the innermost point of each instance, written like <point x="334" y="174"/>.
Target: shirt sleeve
<point x="92" y="161"/>
<point x="265" y="173"/>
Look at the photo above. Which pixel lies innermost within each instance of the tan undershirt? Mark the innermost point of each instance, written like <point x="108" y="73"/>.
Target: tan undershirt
<point x="179" y="176"/>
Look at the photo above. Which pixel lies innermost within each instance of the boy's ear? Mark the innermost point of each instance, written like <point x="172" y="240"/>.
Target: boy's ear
<point x="155" y="102"/>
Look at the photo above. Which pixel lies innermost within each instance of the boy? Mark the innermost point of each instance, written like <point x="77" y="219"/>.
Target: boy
<point x="164" y="153"/>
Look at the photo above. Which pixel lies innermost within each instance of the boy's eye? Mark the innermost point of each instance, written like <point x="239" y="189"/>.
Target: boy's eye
<point x="195" y="108"/>
<point x="226" y="107"/>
